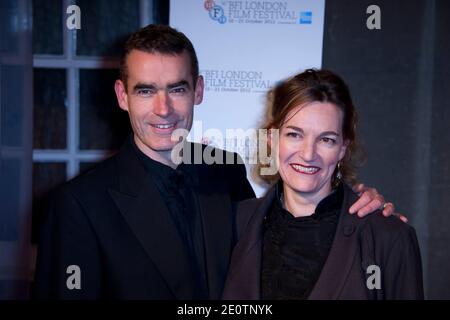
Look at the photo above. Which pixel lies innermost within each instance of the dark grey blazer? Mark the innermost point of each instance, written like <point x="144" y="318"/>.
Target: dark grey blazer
<point x="359" y="242"/>
<point x="113" y="223"/>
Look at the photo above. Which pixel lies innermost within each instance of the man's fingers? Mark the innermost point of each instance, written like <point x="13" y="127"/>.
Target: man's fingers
<point x="400" y="216"/>
<point x="364" y="200"/>
<point x="372" y="206"/>
<point x="388" y="209"/>
<point x="359" y="188"/>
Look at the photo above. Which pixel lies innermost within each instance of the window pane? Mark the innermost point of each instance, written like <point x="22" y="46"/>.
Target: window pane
<point x="49" y="109"/>
<point x="103" y="125"/>
<point x="47" y="27"/>
<point x="105" y="25"/>
<point x="46" y="177"/>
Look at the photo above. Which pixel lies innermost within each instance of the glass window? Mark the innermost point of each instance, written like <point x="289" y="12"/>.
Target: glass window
<point x="103" y="125"/>
<point x="50" y="96"/>
<point x="47" y="27"/>
<point x="105" y="25"/>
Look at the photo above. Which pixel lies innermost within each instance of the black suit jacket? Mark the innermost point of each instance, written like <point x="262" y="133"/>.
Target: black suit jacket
<point x="113" y="224"/>
<point x="358" y="243"/>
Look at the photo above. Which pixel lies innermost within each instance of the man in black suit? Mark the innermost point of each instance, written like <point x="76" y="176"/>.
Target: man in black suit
<point x="139" y="226"/>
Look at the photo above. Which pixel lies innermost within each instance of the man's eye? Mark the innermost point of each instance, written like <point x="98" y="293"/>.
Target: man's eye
<point x="144" y="92"/>
<point x="178" y="90"/>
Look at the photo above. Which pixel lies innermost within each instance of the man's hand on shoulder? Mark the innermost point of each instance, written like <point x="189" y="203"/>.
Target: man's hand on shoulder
<point x="370" y="200"/>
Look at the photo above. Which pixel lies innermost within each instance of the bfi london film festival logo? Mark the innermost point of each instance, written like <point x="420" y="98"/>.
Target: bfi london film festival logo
<point x="255" y="12"/>
<point x="236" y="81"/>
<point x="215" y="11"/>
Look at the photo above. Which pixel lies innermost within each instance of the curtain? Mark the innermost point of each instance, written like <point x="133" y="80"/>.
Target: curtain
<point x="399" y="78"/>
<point x="15" y="148"/>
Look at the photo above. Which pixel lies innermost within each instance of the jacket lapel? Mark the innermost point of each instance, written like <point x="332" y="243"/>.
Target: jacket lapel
<point x="244" y="280"/>
<point x="143" y="208"/>
<point x="216" y="218"/>
<point x="342" y="254"/>
<point x="217" y="231"/>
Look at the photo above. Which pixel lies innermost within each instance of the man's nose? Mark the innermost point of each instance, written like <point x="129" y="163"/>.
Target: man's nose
<point x="162" y="105"/>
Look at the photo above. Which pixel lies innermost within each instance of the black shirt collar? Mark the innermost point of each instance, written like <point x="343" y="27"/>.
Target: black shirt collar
<point x="164" y="172"/>
<point x="330" y="204"/>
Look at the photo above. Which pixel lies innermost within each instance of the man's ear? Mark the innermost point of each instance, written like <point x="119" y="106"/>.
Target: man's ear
<point x="199" y="88"/>
<point x="121" y="94"/>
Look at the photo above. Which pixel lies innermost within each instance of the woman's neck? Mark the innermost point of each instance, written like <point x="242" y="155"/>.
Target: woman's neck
<point x="301" y="204"/>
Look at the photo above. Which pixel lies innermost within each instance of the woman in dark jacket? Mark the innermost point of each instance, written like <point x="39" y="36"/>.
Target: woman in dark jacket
<point x="297" y="242"/>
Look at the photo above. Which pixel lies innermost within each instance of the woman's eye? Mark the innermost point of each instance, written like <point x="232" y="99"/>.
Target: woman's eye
<point x="293" y="134"/>
<point x="329" y="140"/>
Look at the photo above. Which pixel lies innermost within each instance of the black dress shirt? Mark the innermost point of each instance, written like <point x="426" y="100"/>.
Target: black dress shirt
<point x="177" y="188"/>
<point x="296" y="248"/>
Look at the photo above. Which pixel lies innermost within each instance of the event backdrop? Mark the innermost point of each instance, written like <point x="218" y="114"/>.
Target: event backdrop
<point x="244" y="47"/>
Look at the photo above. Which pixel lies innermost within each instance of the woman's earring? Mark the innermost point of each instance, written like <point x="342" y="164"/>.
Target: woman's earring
<point x="339" y="174"/>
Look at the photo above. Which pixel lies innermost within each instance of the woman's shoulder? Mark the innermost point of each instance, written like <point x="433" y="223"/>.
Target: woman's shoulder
<point x="386" y="229"/>
<point x="388" y="234"/>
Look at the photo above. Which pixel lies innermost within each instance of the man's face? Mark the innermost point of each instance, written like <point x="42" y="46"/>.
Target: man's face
<point x="159" y="98"/>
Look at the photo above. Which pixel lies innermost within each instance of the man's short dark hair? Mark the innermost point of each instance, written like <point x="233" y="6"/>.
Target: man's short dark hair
<point x="160" y="39"/>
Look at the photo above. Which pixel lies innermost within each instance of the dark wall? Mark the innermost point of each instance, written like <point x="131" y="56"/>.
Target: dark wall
<point x="400" y="81"/>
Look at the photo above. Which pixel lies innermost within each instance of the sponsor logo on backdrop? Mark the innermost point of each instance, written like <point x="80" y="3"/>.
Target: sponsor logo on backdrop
<point x="242" y="81"/>
<point x="305" y="17"/>
<point x="255" y="12"/>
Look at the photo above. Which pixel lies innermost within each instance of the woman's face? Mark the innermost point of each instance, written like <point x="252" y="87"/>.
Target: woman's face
<point x="310" y="146"/>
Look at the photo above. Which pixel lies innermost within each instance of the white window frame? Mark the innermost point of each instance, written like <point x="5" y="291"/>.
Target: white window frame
<point x="72" y="156"/>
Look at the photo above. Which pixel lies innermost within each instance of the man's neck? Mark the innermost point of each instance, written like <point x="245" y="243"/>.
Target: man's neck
<point x="163" y="157"/>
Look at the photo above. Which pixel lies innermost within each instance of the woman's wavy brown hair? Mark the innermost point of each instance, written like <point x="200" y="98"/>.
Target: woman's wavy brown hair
<point x="315" y="86"/>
